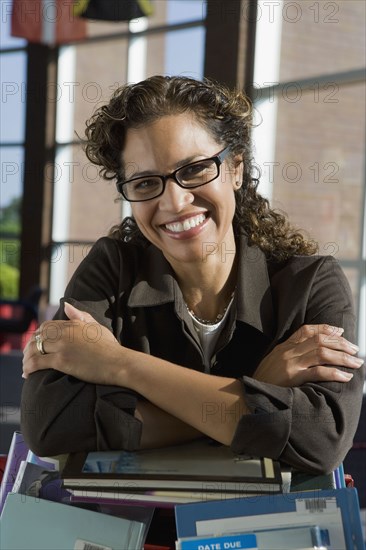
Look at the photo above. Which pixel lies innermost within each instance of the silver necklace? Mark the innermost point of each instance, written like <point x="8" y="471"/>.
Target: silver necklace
<point x="218" y="318"/>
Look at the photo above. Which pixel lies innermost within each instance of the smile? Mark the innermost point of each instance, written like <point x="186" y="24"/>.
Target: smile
<point x="186" y="225"/>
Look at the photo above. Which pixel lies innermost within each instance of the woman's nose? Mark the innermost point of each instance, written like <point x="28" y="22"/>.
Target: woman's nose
<point x="175" y="198"/>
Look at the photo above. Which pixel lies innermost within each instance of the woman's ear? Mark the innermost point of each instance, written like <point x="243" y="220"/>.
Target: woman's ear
<point x="239" y="169"/>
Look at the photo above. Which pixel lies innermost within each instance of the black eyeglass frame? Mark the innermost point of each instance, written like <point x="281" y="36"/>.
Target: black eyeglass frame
<point x="218" y="160"/>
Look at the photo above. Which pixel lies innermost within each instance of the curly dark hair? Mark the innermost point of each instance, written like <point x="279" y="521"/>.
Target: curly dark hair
<point x="228" y="116"/>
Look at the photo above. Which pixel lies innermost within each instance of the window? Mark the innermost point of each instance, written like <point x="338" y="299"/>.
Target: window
<point x="13" y="60"/>
<point x="310" y="95"/>
<point x="84" y="206"/>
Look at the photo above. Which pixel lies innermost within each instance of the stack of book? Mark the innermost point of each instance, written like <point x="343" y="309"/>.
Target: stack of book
<point x="196" y="471"/>
<point x="319" y="519"/>
<point x="219" y="501"/>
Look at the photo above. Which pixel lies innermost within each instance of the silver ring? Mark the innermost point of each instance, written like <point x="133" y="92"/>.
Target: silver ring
<point x="39" y="344"/>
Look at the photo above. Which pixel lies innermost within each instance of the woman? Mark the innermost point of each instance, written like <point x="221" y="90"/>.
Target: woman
<point x="204" y="313"/>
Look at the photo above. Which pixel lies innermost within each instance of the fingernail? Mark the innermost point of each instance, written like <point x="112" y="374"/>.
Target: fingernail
<point x="345" y="375"/>
<point x="353" y="346"/>
<point x="357" y="361"/>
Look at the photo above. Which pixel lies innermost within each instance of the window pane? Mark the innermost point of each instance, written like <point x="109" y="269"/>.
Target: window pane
<point x="11" y="185"/>
<point x="319" y="37"/>
<point x="176" y="52"/>
<point x="91" y="207"/>
<point x="12" y="106"/>
<point x="91" y="194"/>
<point x="317" y="167"/>
<point x="84" y="210"/>
<point x="180" y="11"/>
<point x="184" y="52"/>
<point x="96" y="71"/>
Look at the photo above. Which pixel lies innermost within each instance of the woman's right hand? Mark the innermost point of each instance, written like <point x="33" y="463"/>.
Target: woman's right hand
<point x="309" y="355"/>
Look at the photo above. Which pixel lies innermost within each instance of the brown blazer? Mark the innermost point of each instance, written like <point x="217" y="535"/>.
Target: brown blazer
<point x="133" y="291"/>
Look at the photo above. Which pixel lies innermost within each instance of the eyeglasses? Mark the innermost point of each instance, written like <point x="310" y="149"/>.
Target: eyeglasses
<point x="190" y="176"/>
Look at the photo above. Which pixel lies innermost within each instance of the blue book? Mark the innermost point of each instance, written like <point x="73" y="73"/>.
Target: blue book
<point x="335" y="512"/>
<point x="290" y="538"/>
<point x="29" y="523"/>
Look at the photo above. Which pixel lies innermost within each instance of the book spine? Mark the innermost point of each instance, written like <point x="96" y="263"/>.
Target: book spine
<point x="17" y="452"/>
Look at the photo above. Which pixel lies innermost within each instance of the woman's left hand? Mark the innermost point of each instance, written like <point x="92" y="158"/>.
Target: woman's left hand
<point x="80" y="347"/>
<point x="309" y="355"/>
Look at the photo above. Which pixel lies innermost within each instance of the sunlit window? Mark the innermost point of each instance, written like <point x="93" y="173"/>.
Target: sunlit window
<point x="310" y="135"/>
<point x="170" y="41"/>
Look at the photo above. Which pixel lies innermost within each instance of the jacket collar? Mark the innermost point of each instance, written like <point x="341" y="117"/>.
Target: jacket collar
<point x="156" y="285"/>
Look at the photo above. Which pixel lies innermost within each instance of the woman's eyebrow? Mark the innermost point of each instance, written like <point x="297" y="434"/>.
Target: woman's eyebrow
<point x="179" y="164"/>
<point x="190" y="159"/>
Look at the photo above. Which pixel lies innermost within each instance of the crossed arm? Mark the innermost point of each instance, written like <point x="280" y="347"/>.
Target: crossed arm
<point x="176" y="400"/>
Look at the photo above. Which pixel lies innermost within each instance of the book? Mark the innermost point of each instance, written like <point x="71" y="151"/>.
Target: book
<point x="200" y="466"/>
<point x="40" y="481"/>
<point x="237" y="542"/>
<point x="290" y="538"/>
<point x="156" y="498"/>
<point x="17" y="452"/>
<point x="35" y="524"/>
<point x="336" y="511"/>
<point x="161" y="499"/>
<point x="50" y="463"/>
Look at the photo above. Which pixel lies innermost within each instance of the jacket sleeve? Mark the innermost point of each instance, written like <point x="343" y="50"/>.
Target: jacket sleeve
<point x="310" y="427"/>
<point x="61" y="414"/>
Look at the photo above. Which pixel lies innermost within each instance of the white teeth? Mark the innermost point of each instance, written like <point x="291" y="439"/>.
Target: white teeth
<point x="186" y="225"/>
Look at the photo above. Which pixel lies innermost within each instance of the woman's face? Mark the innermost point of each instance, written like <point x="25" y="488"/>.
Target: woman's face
<point x="186" y="224"/>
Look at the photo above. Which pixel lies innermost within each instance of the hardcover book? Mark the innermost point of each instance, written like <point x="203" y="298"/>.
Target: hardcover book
<point x="40" y="481"/>
<point x="154" y="498"/>
<point x="29" y="523"/>
<point x="202" y="465"/>
<point x="289" y="538"/>
<point x="333" y="514"/>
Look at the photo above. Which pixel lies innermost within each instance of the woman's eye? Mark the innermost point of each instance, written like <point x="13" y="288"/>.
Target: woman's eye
<point x="145" y="185"/>
<point x="194" y="170"/>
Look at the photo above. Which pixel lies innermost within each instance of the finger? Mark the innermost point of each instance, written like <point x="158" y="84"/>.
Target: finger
<point x="26" y="347"/>
<point x="306" y="332"/>
<point x="323" y="373"/>
<point x="34" y="361"/>
<point x="32" y="339"/>
<point x="319" y="342"/>
<point x="76" y="314"/>
<point x="30" y="348"/>
<point x="322" y="355"/>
